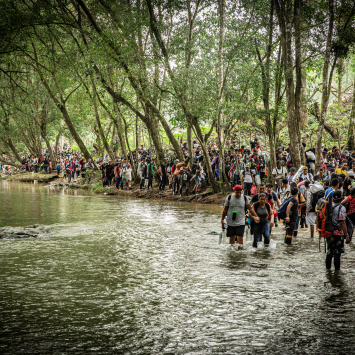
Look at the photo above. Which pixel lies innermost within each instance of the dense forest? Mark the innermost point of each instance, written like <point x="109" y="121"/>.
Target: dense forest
<point x="110" y="75"/>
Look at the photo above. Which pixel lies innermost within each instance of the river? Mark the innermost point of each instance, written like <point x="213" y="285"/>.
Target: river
<point x="125" y="276"/>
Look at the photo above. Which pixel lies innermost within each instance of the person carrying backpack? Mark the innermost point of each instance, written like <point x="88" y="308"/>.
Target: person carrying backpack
<point x="311" y="202"/>
<point x="335" y="242"/>
<point x="262" y="228"/>
<point x="288" y="212"/>
<point x="330" y="191"/>
<point x="235" y="208"/>
<point x="150" y="173"/>
<point x="185" y="178"/>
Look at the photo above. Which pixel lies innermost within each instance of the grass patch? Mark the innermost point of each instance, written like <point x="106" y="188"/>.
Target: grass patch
<point x="98" y="188"/>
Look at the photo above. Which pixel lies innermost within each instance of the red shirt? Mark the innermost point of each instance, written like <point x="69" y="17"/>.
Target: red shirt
<point x="351" y="202"/>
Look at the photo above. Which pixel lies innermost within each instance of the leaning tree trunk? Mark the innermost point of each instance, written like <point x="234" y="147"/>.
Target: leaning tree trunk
<point x="51" y="156"/>
<point x="13" y="149"/>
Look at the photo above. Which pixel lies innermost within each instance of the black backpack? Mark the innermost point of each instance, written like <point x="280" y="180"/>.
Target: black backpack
<point x="315" y="198"/>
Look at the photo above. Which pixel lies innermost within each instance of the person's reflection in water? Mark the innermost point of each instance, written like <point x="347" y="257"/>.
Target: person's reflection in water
<point x="336" y="279"/>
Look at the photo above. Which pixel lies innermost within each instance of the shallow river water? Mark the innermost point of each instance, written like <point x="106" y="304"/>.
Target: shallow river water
<point x="124" y="276"/>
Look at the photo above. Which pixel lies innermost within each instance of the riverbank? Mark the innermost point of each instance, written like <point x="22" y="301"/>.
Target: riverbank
<point x="205" y="197"/>
<point x="30" y="177"/>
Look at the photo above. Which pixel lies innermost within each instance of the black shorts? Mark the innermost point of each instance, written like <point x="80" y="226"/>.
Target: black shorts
<point x="235" y="231"/>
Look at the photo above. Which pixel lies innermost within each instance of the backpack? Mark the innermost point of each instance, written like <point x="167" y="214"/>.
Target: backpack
<point x="324" y="211"/>
<point x="245" y="202"/>
<point x="315" y="198"/>
<point x="282" y="210"/>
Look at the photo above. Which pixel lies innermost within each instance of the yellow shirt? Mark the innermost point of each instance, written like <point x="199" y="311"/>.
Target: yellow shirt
<point x="339" y="171"/>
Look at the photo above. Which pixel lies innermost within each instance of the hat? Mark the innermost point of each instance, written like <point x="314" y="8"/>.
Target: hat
<point x="258" y="144"/>
<point x="284" y="153"/>
<point x="304" y="168"/>
<point x="248" y="148"/>
<point x="351" y="173"/>
<point x="322" y="144"/>
<point x="237" y="188"/>
<point x="293" y="169"/>
<point x="337" y="196"/>
<point x="128" y="164"/>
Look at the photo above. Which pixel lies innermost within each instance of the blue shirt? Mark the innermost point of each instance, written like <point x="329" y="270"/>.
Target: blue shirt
<point x="329" y="193"/>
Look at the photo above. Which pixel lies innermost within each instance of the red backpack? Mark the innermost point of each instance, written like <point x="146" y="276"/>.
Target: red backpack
<point x="324" y="212"/>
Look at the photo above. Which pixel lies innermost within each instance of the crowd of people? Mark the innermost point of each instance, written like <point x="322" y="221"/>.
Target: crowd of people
<point x="322" y="200"/>
<point x="293" y="197"/>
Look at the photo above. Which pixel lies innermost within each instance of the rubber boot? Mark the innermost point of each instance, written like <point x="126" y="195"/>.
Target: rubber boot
<point x="288" y="239"/>
<point x="187" y="192"/>
<point x="121" y="185"/>
<point x="337" y="261"/>
<point x="328" y="261"/>
<point x="295" y="233"/>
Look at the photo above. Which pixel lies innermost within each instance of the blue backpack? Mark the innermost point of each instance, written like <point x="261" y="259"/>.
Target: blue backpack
<point x="281" y="213"/>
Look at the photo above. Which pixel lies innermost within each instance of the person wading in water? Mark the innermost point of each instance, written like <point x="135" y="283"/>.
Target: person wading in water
<point x="235" y="209"/>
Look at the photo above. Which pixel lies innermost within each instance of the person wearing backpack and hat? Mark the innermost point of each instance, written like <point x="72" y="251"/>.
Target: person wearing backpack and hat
<point x="235" y="208"/>
<point x="320" y="177"/>
<point x="305" y="175"/>
<point x="335" y="243"/>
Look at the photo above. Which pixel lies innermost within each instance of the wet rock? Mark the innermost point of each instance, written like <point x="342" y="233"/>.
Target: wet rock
<point x="31" y="231"/>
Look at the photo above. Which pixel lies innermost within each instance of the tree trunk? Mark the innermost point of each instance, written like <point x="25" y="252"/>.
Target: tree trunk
<point x="10" y="163"/>
<point x="189" y="141"/>
<point x="51" y="156"/>
<point x="57" y="141"/>
<point x="13" y="149"/>
<point x="98" y="122"/>
<point x="220" y="114"/>
<point x="340" y="77"/>
<point x="327" y="79"/>
<point x="62" y="108"/>
<point x="293" y="97"/>
<point x="351" y="143"/>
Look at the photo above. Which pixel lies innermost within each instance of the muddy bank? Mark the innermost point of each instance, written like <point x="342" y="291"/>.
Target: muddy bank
<point x="205" y="197"/>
